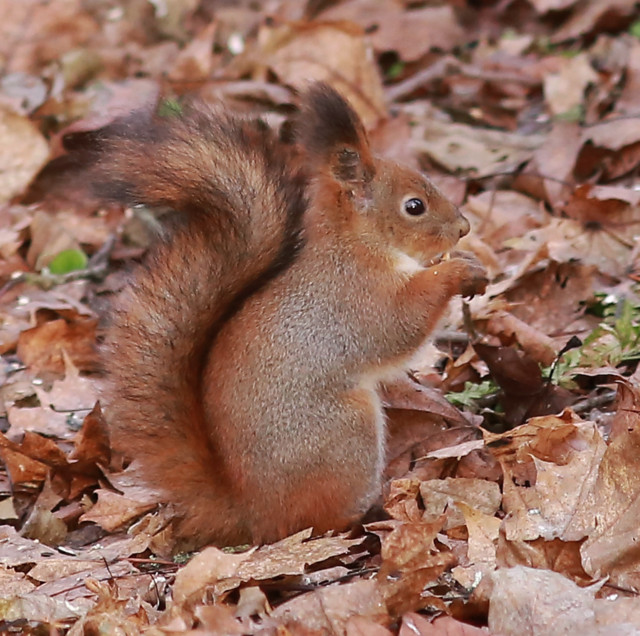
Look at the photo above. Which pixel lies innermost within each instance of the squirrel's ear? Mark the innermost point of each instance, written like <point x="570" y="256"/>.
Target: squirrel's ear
<point x="333" y="135"/>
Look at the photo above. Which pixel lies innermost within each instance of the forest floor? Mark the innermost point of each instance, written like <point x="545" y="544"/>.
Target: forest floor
<point x="512" y="501"/>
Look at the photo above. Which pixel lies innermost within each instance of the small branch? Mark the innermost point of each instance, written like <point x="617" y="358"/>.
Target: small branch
<point x="596" y="400"/>
<point x="450" y="66"/>
<point x="96" y="269"/>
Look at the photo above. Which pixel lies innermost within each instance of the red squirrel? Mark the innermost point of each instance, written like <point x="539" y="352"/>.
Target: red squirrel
<point x="245" y="354"/>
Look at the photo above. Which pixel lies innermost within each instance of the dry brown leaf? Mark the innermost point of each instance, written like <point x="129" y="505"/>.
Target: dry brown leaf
<point x="501" y="215"/>
<point x="550" y="438"/>
<point x="543" y="6"/>
<point x="525" y="393"/>
<point x="442" y="496"/>
<point x="23" y="151"/>
<point x="63" y="299"/>
<point x="206" y="569"/>
<point x="73" y="592"/>
<point x="619" y="163"/>
<point x="43" y="347"/>
<point x="17" y="551"/>
<point x="22" y="469"/>
<point x="7" y="506"/>
<point x="44" y="450"/>
<point x="613" y="134"/>
<point x="56" y="568"/>
<point x="405" y="393"/>
<point x="116" y="547"/>
<point x="410" y="33"/>
<point x="564" y="90"/>
<point x="507" y="327"/>
<point x="550" y="299"/>
<point x="477" y="151"/>
<point x="58" y="408"/>
<point x="39" y="419"/>
<point x="566" y="240"/>
<point x="527" y="601"/>
<point x="336" y="53"/>
<point x="113" y="511"/>
<point x="41" y="608"/>
<point x="40" y="32"/>
<point x="63" y="596"/>
<point x="45" y="527"/>
<point x="292" y="555"/>
<point x="457" y="450"/>
<point x="222" y="572"/>
<point x="74" y="391"/>
<point x="361" y="626"/>
<point x="418" y="625"/>
<point x="219" y="619"/>
<point x="87" y="230"/>
<point x="483" y="536"/>
<point x="556" y="555"/>
<point x="13" y="584"/>
<point x="558" y="505"/>
<point x="48" y="238"/>
<point x="411" y="560"/>
<point x="614" y="611"/>
<point x="402" y="500"/>
<point x="113" y="613"/>
<point x="611" y="548"/>
<point x="328" y="610"/>
<point x="591" y="14"/>
<point x="556" y="159"/>
<point x="627" y="104"/>
<point x="92" y="441"/>
<point x="414" y="437"/>
<point x="195" y="62"/>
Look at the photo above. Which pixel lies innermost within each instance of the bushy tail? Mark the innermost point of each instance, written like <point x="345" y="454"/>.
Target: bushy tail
<point x="238" y="207"/>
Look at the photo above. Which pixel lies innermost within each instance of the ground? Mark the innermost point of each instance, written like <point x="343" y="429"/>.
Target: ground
<point x="513" y="481"/>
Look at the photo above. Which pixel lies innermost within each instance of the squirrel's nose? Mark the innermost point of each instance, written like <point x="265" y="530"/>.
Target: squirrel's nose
<point x="464" y="226"/>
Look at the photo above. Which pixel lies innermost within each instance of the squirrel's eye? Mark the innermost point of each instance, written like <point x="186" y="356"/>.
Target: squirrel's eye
<point x="414" y="207"/>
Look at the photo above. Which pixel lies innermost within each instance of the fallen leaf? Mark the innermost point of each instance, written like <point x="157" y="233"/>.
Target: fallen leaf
<point x="477" y="151"/>
<point x="328" y="610"/>
<point x="411" y="560"/>
<point x="411" y="34"/>
<point x="43" y="347"/>
<point x="442" y="496"/>
<point x="23" y="151"/>
<point x="299" y="53"/>
<point x="416" y="624"/>
<point x="113" y="511"/>
<point x="558" y="505"/>
<point x="528" y="601"/>
<point x="564" y="90"/>
<point x="611" y="548"/>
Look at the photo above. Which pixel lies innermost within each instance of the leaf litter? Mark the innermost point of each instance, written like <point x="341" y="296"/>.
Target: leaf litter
<point x="510" y="506"/>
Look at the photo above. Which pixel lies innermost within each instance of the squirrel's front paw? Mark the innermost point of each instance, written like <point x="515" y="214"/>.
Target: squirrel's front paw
<point x="472" y="274"/>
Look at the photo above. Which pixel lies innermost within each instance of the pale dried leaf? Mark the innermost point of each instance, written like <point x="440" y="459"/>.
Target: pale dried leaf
<point x="23" y="151"/>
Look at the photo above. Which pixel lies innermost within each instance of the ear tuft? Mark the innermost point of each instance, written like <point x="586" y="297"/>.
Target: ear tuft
<point x="333" y="134"/>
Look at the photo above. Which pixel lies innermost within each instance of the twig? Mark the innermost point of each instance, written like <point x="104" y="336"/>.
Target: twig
<point x="448" y="66"/>
<point x="594" y="401"/>
<point x="96" y="269"/>
<point x="449" y="335"/>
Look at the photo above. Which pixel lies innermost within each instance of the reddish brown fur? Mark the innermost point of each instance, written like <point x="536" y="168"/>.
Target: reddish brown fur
<point x="243" y="370"/>
<point x="164" y="321"/>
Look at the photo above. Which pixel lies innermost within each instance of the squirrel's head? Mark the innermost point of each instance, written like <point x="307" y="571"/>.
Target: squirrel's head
<point x="378" y="198"/>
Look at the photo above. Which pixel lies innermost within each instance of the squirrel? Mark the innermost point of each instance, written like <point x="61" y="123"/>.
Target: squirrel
<point x="289" y="281"/>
